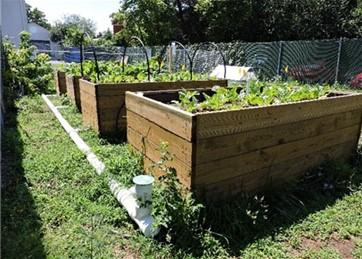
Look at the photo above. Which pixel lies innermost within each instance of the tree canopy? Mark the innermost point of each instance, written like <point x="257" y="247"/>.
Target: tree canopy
<point x="36" y="16"/>
<point x="70" y="28"/>
<point x="158" y="21"/>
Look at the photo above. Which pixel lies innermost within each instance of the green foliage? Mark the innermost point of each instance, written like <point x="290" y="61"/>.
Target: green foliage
<point x="157" y="27"/>
<point x="36" y="16"/>
<point x="105" y="39"/>
<point x="225" y="21"/>
<point x="25" y="72"/>
<point x="118" y="18"/>
<point x="70" y="29"/>
<point x="255" y="93"/>
<point x="112" y="72"/>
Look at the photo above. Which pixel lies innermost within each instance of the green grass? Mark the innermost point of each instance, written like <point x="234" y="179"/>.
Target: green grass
<point x="55" y="206"/>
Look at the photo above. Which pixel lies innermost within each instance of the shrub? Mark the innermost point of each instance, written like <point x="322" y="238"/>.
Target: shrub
<point x="26" y="73"/>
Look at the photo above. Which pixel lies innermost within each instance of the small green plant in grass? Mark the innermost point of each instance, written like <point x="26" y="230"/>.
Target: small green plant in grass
<point x="174" y="207"/>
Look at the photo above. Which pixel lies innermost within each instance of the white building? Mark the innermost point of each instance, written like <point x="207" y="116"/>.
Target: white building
<point x="14" y="20"/>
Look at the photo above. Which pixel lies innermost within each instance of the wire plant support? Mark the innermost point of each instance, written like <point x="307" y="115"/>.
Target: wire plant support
<point x="187" y="54"/>
<point x="82" y="55"/>
<point x="135" y="38"/>
<point x="217" y="49"/>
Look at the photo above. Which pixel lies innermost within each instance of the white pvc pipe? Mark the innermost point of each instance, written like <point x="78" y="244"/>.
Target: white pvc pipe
<point x="141" y="215"/>
<point x="127" y="197"/>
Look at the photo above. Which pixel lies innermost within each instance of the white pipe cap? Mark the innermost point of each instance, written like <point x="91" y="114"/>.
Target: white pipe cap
<point x="143" y="180"/>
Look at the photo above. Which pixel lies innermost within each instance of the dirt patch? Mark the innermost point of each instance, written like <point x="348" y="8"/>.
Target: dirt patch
<point x="344" y="247"/>
<point x="124" y="252"/>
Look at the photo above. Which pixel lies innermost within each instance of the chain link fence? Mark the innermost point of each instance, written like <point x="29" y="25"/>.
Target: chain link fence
<point x="325" y="61"/>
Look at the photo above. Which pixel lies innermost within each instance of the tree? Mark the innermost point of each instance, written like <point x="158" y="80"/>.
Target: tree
<point x="154" y="21"/>
<point x="70" y="29"/>
<point x="189" y="21"/>
<point x="225" y="20"/>
<point x="36" y="16"/>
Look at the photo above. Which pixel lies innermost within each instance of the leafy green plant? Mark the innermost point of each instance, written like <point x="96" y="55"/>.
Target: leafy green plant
<point x="114" y="72"/>
<point x="174" y="207"/>
<point x="258" y="93"/>
<point x="25" y="72"/>
<point x="188" y="100"/>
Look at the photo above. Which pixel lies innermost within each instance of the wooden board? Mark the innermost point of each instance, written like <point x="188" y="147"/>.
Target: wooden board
<point x="149" y="133"/>
<point x="89" y="104"/>
<point x="121" y="88"/>
<point x="60" y="83"/>
<point x="210" y="124"/>
<point x="110" y="98"/>
<point x="224" y="153"/>
<point x="276" y="175"/>
<point x="167" y="117"/>
<point x="219" y="147"/>
<point x="219" y="170"/>
<point x="73" y="91"/>
<point x="149" y="164"/>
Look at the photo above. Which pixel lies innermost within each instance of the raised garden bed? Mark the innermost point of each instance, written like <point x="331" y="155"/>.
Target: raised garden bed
<point x="222" y="153"/>
<point x="73" y="91"/>
<point x="103" y="105"/>
<point x="60" y="84"/>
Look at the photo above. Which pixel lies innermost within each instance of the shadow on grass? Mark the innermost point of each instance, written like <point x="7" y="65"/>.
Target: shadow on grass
<point x="21" y="234"/>
<point x="238" y="223"/>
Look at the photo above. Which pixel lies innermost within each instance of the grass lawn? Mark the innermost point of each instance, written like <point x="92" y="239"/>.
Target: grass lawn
<point x="55" y="206"/>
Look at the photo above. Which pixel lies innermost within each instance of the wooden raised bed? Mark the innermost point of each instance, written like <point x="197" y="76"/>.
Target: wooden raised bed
<point x="73" y="91"/>
<point x="223" y="153"/>
<point x="103" y="105"/>
<point x="60" y="84"/>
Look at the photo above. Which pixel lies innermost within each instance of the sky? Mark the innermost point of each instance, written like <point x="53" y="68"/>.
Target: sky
<point x="97" y="10"/>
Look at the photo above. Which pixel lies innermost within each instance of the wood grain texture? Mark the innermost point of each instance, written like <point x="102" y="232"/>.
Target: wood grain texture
<point x="167" y="117"/>
<point x="219" y="147"/>
<point x="110" y="100"/>
<point x="210" y="124"/>
<point x="219" y="170"/>
<point x="73" y="91"/>
<point x="248" y="149"/>
<point x="60" y="82"/>
<point x="151" y="134"/>
<point x="89" y="104"/>
<point x="275" y="175"/>
<point x="149" y="167"/>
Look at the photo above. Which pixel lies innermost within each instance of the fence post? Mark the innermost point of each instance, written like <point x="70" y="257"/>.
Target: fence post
<point x="170" y="61"/>
<point x="338" y="59"/>
<point x="280" y="57"/>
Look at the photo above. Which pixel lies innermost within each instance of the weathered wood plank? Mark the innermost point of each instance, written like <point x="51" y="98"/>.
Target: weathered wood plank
<point x="165" y="116"/>
<point x="118" y="89"/>
<point x="219" y="147"/>
<point x="152" y="153"/>
<point x="108" y="102"/>
<point x="150" y="132"/>
<point x="219" y="123"/>
<point x="73" y="91"/>
<point x="149" y="167"/>
<point x="60" y="83"/>
<point x="89" y="104"/>
<point x="219" y="170"/>
<point x="87" y="87"/>
<point x="277" y="174"/>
